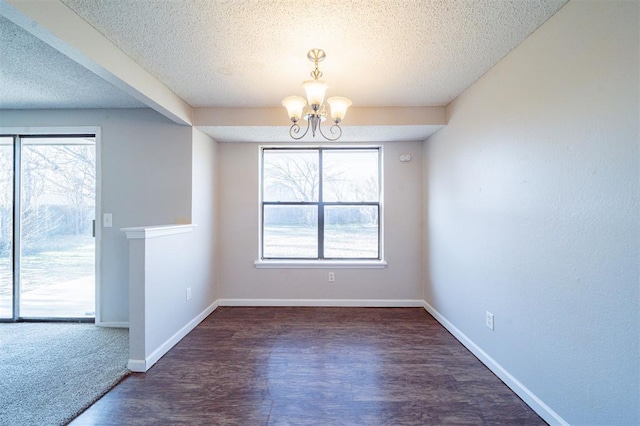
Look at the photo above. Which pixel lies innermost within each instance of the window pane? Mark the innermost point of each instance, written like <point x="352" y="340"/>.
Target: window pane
<point x="6" y="227"/>
<point x="351" y="232"/>
<point x="57" y="276"/>
<point x="290" y="175"/>
<point x="350" y="175"/>
<point x="290" y="232"/>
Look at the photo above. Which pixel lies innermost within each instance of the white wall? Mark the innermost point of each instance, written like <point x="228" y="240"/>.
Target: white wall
<point x="238" y="238"/>
<point x="146" y="180"/>
<point x="204" y="256"/>
<point x="532" y="205"/>
<point x="172" y="262"/>
<point x="164" y="292"/>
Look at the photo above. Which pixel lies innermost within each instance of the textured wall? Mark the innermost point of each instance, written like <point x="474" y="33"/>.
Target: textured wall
<point x="239" y="207"/>
<point x="532" y="205"/>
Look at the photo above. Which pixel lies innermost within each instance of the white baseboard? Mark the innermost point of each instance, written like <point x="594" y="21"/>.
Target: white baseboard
<point x="142" y="366"/>
<point x="112" y="324"/>
<point x="137" y="365"/>
<point x="365" y="303"/>
<point x="522" y="391"/>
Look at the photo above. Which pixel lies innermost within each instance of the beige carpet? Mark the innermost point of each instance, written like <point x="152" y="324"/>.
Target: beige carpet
<point x="50" y="372"/>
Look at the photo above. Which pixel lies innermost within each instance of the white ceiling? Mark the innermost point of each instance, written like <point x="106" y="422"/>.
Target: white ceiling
<point x="252" y="53"/>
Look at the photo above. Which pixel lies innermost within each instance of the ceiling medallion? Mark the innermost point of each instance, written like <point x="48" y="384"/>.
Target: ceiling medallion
<point x="313" y="109"/>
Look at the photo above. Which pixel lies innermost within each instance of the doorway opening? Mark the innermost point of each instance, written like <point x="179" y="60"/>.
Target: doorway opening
<point x="47" y="236"/>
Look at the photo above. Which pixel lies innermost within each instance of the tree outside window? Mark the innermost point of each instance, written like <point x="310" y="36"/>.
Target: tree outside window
<point x="321" y="203"/>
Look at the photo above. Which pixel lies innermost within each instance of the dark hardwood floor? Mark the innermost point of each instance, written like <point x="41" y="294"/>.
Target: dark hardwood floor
<point x="314" y="366"/>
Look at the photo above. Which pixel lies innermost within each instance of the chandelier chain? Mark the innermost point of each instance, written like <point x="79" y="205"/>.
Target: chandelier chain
<point x="316" y="74"/>
<point x="315" y="56"/>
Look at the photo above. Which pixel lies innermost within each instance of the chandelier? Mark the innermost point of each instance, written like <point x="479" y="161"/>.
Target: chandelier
<point x="313" y="109"/>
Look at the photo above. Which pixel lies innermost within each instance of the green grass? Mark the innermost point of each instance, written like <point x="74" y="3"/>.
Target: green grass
<point x="341" y="241"/>
<point x="58" y="259"/>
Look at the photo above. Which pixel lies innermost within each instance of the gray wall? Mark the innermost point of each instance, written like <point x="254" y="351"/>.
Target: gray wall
<point x="532" y="208"/>
<point x="146" y="180"/>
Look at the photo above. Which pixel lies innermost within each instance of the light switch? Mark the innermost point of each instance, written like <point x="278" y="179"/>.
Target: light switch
<point x="107" y="220"/>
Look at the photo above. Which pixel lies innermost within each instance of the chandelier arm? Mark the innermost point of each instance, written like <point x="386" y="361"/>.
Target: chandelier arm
<point x="295" y="129"/>
<point x="333" y="130"/>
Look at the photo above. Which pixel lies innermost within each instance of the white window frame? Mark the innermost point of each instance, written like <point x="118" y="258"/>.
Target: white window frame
<point x="322" y="263"/>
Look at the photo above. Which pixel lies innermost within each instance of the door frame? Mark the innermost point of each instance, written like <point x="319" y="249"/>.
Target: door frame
<point x="68" y="131"/>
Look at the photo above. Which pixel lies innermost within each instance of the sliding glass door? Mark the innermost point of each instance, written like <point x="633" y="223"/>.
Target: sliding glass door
<point x="51" y="274"/>
<point x="6" y="227"/>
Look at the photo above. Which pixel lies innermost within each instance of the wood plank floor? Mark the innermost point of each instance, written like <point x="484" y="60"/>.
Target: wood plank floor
<point x="314" y="366"/>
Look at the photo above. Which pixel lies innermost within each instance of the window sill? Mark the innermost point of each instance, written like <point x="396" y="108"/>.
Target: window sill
<point x="320" y="264"/>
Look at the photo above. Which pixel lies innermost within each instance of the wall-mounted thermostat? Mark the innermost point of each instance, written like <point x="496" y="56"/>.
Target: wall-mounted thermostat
<point x="405" y="158"/>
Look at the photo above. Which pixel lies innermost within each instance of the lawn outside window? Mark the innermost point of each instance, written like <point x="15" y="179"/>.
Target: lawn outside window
<point x="320" y="206"/>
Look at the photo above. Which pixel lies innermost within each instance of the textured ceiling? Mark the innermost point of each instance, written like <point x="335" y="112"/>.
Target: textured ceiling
<point x="34" y="75"/>
<point x="252" y="53"/>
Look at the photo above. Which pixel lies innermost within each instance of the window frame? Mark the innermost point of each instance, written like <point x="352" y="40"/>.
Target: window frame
<point x="321" y="261"/>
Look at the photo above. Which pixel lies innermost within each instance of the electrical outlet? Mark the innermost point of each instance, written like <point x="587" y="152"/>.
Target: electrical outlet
<point x="489" y="320"/>
<point x="332" y="277"/>
<point x="188" y="293"/>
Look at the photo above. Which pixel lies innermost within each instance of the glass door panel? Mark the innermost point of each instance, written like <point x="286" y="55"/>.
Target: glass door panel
<point x="57" y="264"/>
<point x="6" y="227"/>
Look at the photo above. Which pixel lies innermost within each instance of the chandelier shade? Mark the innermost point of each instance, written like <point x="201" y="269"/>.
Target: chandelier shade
<point x="338" y="106"/>
<point x="315" y="90"/>
<point x="294" y="106"/>
<point x="313" y="108"/>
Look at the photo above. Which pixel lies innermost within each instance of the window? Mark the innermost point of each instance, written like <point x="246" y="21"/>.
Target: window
<point x="321" y="203"/>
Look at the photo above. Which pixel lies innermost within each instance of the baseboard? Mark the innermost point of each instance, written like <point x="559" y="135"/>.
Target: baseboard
<point x="521" y="390"/>
<point x="142" y="366"/>
<point x="365" y="303"/>
<point x="112" y="324"/>
<point x="137" y="365"/>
